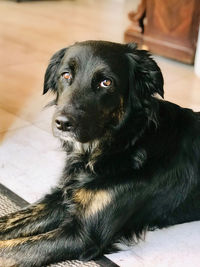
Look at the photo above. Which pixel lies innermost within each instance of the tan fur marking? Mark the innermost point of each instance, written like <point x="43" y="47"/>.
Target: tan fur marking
<point x="22" y="215"/>
<point x="92" y="201"/>
<point x="121" y="110"/>
<point x="12" y="242"/>
<point x="120" y="113"/>
<point x="19" y="241"/>
<point x="93" y="159"/>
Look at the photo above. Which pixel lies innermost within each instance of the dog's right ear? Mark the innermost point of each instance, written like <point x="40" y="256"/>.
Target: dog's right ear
<point x="50" y="80"/>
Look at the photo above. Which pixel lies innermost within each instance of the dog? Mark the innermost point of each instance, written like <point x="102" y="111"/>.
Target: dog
<point x="132" y="159"/>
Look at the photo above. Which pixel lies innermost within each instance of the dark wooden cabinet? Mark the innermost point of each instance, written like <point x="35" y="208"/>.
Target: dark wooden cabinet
<point x="166" y="27"/>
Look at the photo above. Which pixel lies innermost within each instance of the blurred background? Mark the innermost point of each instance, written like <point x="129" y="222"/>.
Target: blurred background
<point x="31" y="31"/>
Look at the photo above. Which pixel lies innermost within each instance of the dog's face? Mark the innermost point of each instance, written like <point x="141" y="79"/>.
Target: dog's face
<point x="92" y="82"/>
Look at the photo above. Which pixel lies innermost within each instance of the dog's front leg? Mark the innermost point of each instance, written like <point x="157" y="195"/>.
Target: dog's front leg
<point x="94" y="225"/>
<point x="44" y="216"/>
<point x="35" y="251"/>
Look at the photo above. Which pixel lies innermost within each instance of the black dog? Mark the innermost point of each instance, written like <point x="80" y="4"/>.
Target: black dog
<point x="133" y="161"/>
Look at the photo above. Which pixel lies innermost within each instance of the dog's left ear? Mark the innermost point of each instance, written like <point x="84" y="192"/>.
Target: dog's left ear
<point x="145" y="76"/>
<point x="50" y="78"/>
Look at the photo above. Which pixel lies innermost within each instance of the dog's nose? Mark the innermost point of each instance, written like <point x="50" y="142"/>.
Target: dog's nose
<point x="63" y="123"/>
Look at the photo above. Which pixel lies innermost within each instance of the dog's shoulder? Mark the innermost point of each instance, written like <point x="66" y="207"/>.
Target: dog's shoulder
<point x="174" y="118"/>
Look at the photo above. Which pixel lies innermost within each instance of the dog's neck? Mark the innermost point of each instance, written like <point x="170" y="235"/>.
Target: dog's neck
<point x="115" y="140"/>
<point x="71" y="145"/>
<point x="84" y="152"/>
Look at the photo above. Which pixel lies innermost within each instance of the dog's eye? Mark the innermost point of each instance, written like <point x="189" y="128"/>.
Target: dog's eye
<point x="67" y="75"/>
<point x="106" y="83"/>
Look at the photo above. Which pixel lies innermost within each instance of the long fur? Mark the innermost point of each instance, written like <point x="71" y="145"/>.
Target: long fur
<point x="132" y="160"/>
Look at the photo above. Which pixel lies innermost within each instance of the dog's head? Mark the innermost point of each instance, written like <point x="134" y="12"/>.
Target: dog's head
<point x="97" y="84"/>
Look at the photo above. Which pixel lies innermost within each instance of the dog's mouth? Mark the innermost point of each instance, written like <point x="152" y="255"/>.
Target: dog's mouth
<point x="82" y="131"/>
<point x="74" y="135"/>
<point x="63" y="135"/>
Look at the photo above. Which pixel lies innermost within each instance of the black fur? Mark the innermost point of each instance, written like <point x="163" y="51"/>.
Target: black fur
<point x="132" y="164"/>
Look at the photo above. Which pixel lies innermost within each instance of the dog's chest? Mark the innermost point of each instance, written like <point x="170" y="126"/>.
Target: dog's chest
<point x="92" y="190"/>
<point x="81" y="186"/>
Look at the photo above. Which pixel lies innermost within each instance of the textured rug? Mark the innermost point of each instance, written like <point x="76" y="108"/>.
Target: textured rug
<point x="10" y="202"/>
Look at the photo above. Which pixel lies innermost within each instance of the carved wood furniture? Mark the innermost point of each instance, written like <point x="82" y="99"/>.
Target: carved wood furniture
<point x="166" y="27"/>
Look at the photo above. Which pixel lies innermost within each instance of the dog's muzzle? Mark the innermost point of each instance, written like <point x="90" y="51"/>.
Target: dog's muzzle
<point x="80" y="126"/>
